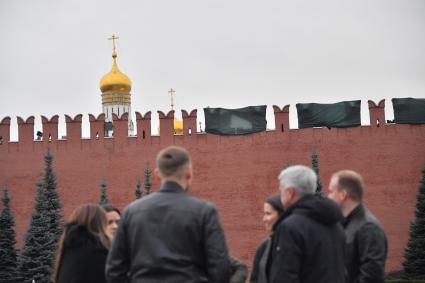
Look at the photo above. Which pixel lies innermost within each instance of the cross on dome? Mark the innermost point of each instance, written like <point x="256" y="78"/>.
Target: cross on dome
<point x="172" y="92"/>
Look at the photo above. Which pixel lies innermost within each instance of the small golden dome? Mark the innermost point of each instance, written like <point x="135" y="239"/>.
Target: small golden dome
<point x="178" y="126"/>
<point x="115" y="81"/>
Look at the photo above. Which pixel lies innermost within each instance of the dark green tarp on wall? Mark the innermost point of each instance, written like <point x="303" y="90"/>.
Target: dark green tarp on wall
<point x="409" y="110"/>
<point x="336" y="115"/>
<point x="240" y="121"/>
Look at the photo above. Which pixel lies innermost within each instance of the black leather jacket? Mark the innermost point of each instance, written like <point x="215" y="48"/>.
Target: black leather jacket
<point x="169" y="236"/>
<point x="366" y="247"/>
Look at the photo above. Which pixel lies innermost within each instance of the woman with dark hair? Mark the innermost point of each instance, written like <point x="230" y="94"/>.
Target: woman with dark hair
<point x="83" y="247"/>
<point x="273" y="209"/>
<point x="113" y="215"/>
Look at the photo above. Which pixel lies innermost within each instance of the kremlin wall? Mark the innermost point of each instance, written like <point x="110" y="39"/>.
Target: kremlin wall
<point x="236" y="173"/>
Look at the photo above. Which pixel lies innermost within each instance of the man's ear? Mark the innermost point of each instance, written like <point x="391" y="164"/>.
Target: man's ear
<point x="293" y="193"/>
<point x="344" y="194"/>
<point x="189" y="172"/>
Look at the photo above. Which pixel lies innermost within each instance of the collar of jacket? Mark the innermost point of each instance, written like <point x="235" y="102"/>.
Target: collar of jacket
<point x="315" y="207"/>
<point x="171" y="187"/>
<point x="289" y="211"/>
<point x="356" y="211"/>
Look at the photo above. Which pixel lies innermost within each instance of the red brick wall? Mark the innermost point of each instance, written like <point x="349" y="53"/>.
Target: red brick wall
<point x="236" y="172"/>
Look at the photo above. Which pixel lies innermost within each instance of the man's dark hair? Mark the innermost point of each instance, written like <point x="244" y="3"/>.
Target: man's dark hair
<point x="172" y="160"/>
<point x="351" y="182"/>
<point x="109" y="208"/>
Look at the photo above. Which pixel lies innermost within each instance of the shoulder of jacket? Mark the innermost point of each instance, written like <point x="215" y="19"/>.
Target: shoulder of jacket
<point x="294" y="220"/>
<point x="201" y="202"/>
<point x="369" y="225"/>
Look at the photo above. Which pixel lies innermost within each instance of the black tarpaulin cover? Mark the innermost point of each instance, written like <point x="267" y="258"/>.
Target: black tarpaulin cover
<point x="336" y="115"/>
<point x="409" y="110"/>
<point x="240" y="121"/>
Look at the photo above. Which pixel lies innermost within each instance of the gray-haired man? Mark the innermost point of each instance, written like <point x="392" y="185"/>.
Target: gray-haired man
<point x="308" y="243"/>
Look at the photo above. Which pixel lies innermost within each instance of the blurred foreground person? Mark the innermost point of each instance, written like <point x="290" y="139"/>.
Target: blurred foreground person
<point x="113" y="215"/>
<point x="308" y="244"/>
<point x="273" y="209"/>
<point x="83" y="247"/>
<point x="169" y="236"/>
<point x="365" y="237"/>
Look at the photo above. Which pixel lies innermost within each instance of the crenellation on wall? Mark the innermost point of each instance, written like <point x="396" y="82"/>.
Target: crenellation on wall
<point x="377" y="113"/>
<point x="144" y="131"/>
<point x="73" y="128"/>
<point x="189" y="122"/>
<point x="166" y="127"/>
<point x="120" y="126"/>
<point x="281" y="117"/>
<point x="5" y="130"/>
<point x="97" y="126"/>
<point x="190" y="134"/>
<point x="26" y="130"/>
<point x="50" y="128"/>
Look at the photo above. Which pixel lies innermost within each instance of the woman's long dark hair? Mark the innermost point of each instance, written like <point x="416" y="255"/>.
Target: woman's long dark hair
<point x="93" y="218"/>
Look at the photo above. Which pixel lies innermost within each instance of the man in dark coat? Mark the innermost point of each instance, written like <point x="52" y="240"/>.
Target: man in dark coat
<point x="169" y="236"/>
<point x="366" y="243"/>
<point x="308" y="243"/>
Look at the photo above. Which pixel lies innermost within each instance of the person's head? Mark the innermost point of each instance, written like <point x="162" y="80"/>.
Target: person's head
<point x="346" y="189"/>
<point x="174" y="164"/>
<point x="93" y="218"/>
<point x="113" y="215"/>
<point x="295" y="182"/>
<point x="273" y="209"/>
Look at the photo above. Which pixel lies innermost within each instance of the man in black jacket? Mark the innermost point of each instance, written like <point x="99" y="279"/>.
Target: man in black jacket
<point x="366" y="243"/>
<point x="308" y="243"/>
<point x="169" y="236"/>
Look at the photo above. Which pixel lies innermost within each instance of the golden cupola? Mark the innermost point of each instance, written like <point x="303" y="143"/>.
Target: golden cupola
<point x="116" y="98"/>
<point x="178" y="124"/>
<point x="115" y="81"/>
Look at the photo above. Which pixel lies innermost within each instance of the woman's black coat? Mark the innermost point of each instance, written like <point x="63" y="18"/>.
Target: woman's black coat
<point x="257" y="258"/>
<point x="83" y="257"/>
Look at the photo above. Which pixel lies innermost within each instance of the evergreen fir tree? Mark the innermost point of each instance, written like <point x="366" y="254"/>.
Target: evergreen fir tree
<point x="315" y="167"/>
<point x="8" y="252"/>
<point x="38" y="254"/>
<point x="138" y="191"/>
<point x="103" y="193"/>
<point x="148" y="182"/>
<point x="36" y="260"/>
<point x="414" y="256"/>
<point x="53" y="203"/>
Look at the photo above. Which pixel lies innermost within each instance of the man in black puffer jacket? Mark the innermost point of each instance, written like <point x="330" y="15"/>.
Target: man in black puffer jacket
<point x="308" y="243"/>
<point x="366" y="241"/>
<point x="169" y="236"/>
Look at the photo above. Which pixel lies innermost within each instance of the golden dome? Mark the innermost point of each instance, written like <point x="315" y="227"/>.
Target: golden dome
<point x="115" y="81"/>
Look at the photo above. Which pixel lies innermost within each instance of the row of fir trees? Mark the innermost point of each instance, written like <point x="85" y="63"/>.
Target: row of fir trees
<point x="36" y="260"/>
<point x="137" y="192"/>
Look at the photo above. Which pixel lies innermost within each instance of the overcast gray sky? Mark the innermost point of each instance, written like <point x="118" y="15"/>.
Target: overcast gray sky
<point x="217" y="53"/>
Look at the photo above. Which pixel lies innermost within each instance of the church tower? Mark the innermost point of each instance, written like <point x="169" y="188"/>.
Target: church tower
<point x="116" y="98"/>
